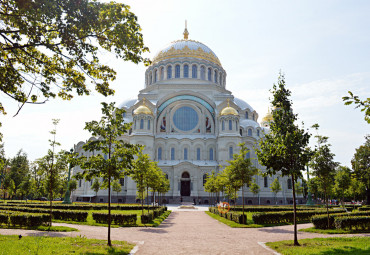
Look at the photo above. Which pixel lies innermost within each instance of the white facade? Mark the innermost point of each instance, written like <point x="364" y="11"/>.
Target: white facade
<point x="190" y="124"/>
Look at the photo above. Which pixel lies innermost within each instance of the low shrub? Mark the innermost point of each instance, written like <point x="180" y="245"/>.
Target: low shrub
<point x="118" y="219"/>
<point x="321" y="221"/>
<point x="28" y="219"/>
<point x="147" y="218"/>
<point x="352" y="222"/>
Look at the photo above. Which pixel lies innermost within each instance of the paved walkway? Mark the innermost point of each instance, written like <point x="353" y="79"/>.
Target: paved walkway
<point x="188" y="232"/>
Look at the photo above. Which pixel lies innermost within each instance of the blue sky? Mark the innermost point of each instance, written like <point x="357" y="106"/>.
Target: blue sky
<point x="323" y="47"/>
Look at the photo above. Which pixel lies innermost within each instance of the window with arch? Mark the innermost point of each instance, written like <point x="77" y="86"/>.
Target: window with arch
<point x="160" y="153"/>
<point x="223" y="125"/>
<point x="135" y="124"/>
<point x="155" y="75"/>
<point x="150" y="78"/>
<point x="211" y="154"/>
<point x="141" y="124"/>
<point x="250" y="132"/>
<point x="289" y="183"/>
<point x="258" y="132"/>
<point x="169" y="72"/>
<point x="186" y="71"/>
<point x="198" y="153"/>
<point x="231" y="152"/>
<point x="167" y="176"/>
<point x="248" y="155"/>
<point x="204" y="179"/>
<point x="122" y="181"/>
<point x="161" y="73"/>
<point x="177" y="71"/>
<point x="209" y="74"/>
<point x="194" y="71"/>
<point x="215" y="78"/>
<point x="246" y="115"/>
<point x="265" y="182"/>
<point x="230" y="124"/>
<point x="236" y="126"/>
<point x="253" y="116"/>
<point x="202" y="72"/>
<point x="172" y="153"/>
<point x="185" y="153"/>
<point x="124" y="115"/>
<point x="148" y="124"/>
<point x="220" y="80"/>
<point x="241" y="132"/>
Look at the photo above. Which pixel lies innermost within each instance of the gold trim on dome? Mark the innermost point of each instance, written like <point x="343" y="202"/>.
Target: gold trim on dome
<point x="142" y="109"/>
<point x="268" y="117"/>
<point x="228" y="110"/>
<point x="186" y="52"/>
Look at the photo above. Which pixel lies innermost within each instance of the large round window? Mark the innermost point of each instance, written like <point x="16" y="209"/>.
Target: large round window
<point x="185" y="118"/>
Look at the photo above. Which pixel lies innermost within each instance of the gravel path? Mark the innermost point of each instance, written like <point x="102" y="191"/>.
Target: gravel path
<point x="187" y="232"/>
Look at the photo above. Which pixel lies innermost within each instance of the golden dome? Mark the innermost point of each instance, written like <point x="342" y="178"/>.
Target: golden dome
<point x="142" y="109"/>
<point x="228" y="110"/>
<point x="268" y="117"/>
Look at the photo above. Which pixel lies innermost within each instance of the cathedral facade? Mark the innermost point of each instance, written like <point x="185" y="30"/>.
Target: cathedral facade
<point x="190" y="124"/>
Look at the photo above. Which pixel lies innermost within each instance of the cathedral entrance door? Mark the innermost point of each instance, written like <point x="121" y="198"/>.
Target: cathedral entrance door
<point x="185" y="184"/>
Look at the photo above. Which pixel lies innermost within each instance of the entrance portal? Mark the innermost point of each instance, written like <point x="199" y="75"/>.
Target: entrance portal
<point x="185" y="184"/>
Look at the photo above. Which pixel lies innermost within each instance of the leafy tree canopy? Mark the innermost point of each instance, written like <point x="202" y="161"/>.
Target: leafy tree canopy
<point x="364" y="105"/>
<point x="51" y="48"/>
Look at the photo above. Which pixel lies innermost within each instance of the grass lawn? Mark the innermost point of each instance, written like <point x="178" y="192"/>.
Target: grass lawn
<point x="335" y="245"/>
<point x="250" y="223"/>
<point x="61" y="245"/>
<point x="42" y="228"/>
<point x="91" y="222"/>
<point x="333" y="231"/>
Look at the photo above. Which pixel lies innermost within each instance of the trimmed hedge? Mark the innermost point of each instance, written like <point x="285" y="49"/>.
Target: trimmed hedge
<point x="269" y="209"/>
<point x="146" y="218"/>
<point x="354" y="222"/>
<point x="118" y="219"/>
<point x="321" y="221"/>
<point x="285" y="217"/>
<point x="234" y="216"/>
<point x="23" y="219"/>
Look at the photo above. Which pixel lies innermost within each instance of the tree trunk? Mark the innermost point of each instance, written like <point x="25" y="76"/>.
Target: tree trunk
<point x="294" y="214"/>
<point x="368" y="195"/>
<point x="109" y="215"/>
<point x="147" y="197"/>
<point x="243" y="203"/>
<point x="327" y="207"/>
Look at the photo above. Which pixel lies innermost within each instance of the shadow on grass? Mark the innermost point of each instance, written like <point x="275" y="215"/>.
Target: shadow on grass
<point x="347" y="250"/>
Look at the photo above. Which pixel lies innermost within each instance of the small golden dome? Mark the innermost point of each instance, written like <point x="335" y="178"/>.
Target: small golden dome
<point x="228" y="110"/>
<point x="268" y="117"/>
<point x="142" y="109"/>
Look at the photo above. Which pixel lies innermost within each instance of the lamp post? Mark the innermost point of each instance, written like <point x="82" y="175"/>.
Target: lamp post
<point x="67" y="199"/>
<point x="309" y="195"/>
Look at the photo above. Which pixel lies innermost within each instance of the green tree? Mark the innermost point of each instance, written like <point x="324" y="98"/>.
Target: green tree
<point x="254" y="187"/>
<point x="95" y="187"/>
<point x="72" y="186"/>
<point x="10" y="186"/>
<point x="275" y="187"/>
<point x="210" y="186"/>
<point x="118" y="155"/>
<point x="285" y="148"/>
<point x="364" y="105"/>
<point x="361" y="166"/>
<point x="242" y="170"/>
<point x="19" y="169"/>
<point x="51" y="48"/>
<point x="356" y="189"/>
<point x="323" y="167"/>
<point x="116" y="187"/>
<point x="342" y="182"/>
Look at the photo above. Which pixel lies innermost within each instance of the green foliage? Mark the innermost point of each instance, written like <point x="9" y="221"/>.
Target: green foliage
<point x="285" y="148"/>
<point x="321" y="222"/>
<point x="254" y="187"/>
<point x="350" y="223"/>
<point x="364" y="105"/>
<point x="361" y="165"/>
<point x="118" y="219"/>
<point x="275" y="187"/>
<point x="342" y="181"/>
<point x="51" y="48"/>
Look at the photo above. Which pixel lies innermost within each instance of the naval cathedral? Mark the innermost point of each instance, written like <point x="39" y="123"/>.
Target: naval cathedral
<point x="190" y="124"/>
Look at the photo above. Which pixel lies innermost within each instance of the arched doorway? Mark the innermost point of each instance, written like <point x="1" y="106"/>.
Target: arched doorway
<point x="185" y="184"/>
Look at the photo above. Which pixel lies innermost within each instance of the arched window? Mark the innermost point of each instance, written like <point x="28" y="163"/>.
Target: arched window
<point x="236" y="126"/>
<point x="223" y="125"/>
<point x="162" y="73"/>
<point x="169" y="72"/>
<point x="246" y="115"/>
<point x="220" y="80"/>
<point x="211" y="154"/>
<point x="141" y="124"/>
<point x="209" y="74"/>
<point x="204" y="179"/>
<point x="265" y="182"/>
<point x="160" y="153"/>
<point x="249" y="132"/>
<point x="167" y="176"/>
<point x="198" y="153"/>
<point x="122" y="181"/>
<point x="258" y="132"/>
<point x="155" y="75"/>
<point x="177" y="71"/>
<point x="194" y="71"/>
<point x="253" y="116"/>
<point x="231" y="152"/>
<point x="172" y="153"/>
<point x="248" y="155"/>
<point x="289" y="183"/>
<point x="135" y="124"/>
<point x="150" y="78"/>
<point x="186" y="71"/>
<point x="124" y="115"/>
<point x="185" y="153"/>
<point x="241" y="132"/>
<point x="202" y="72"/>
<point x="148" y="124"/>
<point x="230" y="124"/>
<point x="215" y="78"/>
